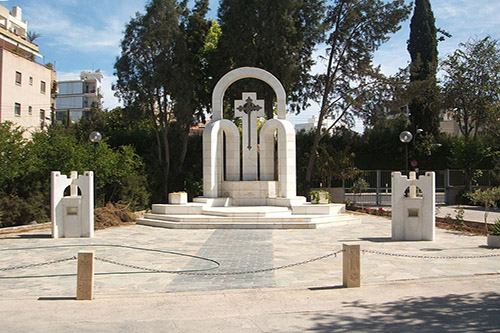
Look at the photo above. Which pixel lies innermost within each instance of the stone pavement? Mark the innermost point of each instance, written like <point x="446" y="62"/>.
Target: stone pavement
<point x="453" y="254"/>
<point x="469" y="304"/>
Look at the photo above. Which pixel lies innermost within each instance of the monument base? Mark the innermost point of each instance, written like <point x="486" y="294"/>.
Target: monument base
<point x="219" y="213"/>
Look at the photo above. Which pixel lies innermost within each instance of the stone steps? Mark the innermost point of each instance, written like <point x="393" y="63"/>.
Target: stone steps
<point x="242" y="222"/>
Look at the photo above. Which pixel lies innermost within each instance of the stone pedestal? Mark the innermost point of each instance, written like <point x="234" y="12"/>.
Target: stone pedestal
<point x="73" y="215"/>
<point x="177" y="198"/>
<point x="413" y="207"/>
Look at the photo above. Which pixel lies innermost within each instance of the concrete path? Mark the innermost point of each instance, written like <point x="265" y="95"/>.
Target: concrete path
<point x="439" y="305"/>
<point x="471" y="213"/>
<point x="451" y="284"/>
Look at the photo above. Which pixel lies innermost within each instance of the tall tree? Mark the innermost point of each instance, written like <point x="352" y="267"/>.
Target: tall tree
<point x="471" y="86"/>
<point x="278" y="36"/>
<point x="422" y="46"/>
<point x="160" y="68"/>
<point x="356" y="28"/>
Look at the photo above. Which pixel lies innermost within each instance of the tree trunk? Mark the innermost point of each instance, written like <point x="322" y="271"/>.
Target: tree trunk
<point x="184" y="142"/>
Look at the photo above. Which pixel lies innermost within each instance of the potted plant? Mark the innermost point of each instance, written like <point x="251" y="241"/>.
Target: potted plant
<point x="494" y="235"/>
<point x="320" y="197"/>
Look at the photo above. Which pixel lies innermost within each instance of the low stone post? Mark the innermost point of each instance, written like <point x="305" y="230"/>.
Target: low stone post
<point x="85" y="276"/>
<point x="351" y="266"/>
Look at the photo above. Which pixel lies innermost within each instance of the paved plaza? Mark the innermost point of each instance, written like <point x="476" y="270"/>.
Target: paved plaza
<point x="453" y="254"/>
<point x="450" y="284"/>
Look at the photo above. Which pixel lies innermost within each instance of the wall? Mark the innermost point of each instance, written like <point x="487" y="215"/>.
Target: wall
<point x="25" y="94"/>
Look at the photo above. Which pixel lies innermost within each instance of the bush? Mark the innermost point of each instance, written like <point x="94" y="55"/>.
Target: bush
<point x="25" y="168"/>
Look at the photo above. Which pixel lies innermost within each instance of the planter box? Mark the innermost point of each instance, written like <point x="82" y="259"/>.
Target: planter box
<point x="493" y="241"/>
<point x="177" y="198"/>
<point x="323" y="198"/>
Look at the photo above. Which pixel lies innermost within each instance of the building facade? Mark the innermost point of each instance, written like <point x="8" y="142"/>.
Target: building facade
<point x="27" y="87"/>
<point x="76" y="97"/>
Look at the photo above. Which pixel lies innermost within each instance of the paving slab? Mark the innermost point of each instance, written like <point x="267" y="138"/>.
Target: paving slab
<point x="452" y="254"/>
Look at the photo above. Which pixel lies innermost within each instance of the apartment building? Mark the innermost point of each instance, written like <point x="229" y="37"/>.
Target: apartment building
<point x="75" y="97"/>
<point x="26" y="86"/>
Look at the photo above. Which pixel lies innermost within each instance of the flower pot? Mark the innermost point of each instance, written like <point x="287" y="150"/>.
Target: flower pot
<point x="493" y="241"/>
<point x="177" y="198"/>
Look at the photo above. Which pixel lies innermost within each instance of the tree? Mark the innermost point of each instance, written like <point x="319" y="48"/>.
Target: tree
<point x="31" y="36"/>
<point x="355" y="29"/>
<point x="278" y="36"/>
<point x="488" y="198"/>
<point x="334" y="163"/>
<point x="159" y="70"/>
<point x="471" y="86"/>
<point x="469" y="156"/>
<point x="422" y="46"/>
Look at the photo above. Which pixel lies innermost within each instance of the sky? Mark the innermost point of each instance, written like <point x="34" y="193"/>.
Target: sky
<point x="79" y="35"/>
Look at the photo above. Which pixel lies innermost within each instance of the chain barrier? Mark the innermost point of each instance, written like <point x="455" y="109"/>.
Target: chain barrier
<point x="428" y="257"/>
<point x="198" y="273"/>
<point x="50" y="262"/>
<point x="221" y="273"/>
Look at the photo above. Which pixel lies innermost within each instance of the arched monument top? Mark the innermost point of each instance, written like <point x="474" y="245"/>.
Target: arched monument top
<point x="247" y="73"/>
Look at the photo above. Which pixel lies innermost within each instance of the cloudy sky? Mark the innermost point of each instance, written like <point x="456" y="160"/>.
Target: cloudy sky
<point x="85" y="34"/>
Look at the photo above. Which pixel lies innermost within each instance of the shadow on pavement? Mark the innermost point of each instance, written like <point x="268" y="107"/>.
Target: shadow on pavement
<point x="451" y="313"/>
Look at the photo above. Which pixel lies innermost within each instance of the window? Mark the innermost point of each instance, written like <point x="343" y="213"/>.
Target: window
<point x="42" y="87"/>
<point x="31" y="80"/>
<point x="42" y="114"/>
<point x="30" y="110"/>
<point x="18" y="78"/>
<point x="17" y="109"/>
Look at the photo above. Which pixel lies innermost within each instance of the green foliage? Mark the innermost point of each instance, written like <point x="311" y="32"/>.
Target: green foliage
<point x="25" y="184"/>
<point x="459" y="217"/>
<point x="316" y="196"/>
<point x="496" y="228"/>
<point x="471" y="86"/>
<point x="278" y="36"/>
<point x="354" y="31"/>
<point x="470" y="155"/>
<point x="359" y="187"/>
<point x="163" y="75"/>
<point x="488" y="198"/>
<point x="422" y="46"/>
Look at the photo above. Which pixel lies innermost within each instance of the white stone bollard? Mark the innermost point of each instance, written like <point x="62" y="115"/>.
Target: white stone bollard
<point x="351" y="266"/>
<point x="85" y="276"/>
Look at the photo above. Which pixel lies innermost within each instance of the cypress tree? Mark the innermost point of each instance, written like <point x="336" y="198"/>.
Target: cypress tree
<point x="422" y="46"/>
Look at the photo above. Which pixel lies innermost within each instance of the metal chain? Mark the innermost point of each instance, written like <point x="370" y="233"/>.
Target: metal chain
<point x="50" y="262"/>
<point x="222" y="273"/>
<point x="428" y="257"/>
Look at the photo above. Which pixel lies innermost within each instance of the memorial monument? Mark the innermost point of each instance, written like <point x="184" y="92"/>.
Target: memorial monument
<point x="240" y="186"/>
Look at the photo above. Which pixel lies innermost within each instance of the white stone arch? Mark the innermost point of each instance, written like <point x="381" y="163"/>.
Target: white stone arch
<point x="244" y="73"/>
<point x="213" y="155"/>
<point x="286" y="155"/>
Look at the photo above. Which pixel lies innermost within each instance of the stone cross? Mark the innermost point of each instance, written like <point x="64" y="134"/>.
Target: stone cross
<point x="249" y="108"/>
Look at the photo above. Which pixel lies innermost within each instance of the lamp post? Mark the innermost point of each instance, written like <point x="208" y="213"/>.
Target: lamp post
<point x="95" y="137"/>
<point x="405" y="137"/>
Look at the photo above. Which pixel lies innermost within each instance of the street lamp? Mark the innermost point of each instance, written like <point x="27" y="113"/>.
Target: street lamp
<point x="95" y="137"/>
<point x="405" y="137"/>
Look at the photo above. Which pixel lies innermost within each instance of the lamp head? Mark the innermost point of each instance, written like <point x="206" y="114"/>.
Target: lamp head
<point x="405" y="136"/>
<point x="95" y="137"/>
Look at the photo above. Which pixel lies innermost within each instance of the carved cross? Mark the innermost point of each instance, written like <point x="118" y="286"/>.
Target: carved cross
<point x="249" y="108"/>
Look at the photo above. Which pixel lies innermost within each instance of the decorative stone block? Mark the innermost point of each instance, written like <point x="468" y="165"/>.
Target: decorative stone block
<point x="413" y="206"/>
<point x="73" y="215"/>
<point x="177" y="198"/>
